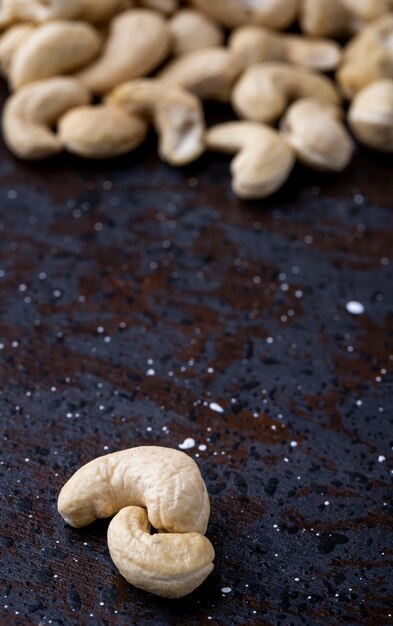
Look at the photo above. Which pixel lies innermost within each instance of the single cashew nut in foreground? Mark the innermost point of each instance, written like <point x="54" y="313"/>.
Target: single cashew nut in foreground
<point x="263" y="159"/>
<point x="368" y="57"/>
<point x="255" y="44"/>
<point x="41" y="10"/>
<point x="10" y="42"/>
<point x="31" y="112"/>
<point x="265" y="90"/>
<point x="208" y="73"/>
<point x="100" y="132"/>
<point x="192" y="30"/>
<point x="272" y="13"/>
<point x="167" y="564"/>
<point x="315" y="131"/>
<point x="371" y="115"/>
<point x="138" y="41"/>
<point x="53" y="49"/>
<point x="177" y="116"/>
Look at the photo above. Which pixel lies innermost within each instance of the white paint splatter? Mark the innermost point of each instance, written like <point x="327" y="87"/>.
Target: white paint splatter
<point x="216" y="407"/>
<point x="187" y="444"/>
<point x="381" y="458"/>
<point x="354" y="307"/>
<point x="226" y="590"/>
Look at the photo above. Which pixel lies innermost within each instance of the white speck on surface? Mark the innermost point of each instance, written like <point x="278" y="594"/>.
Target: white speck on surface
<point x="150" y="372"/>
<point x="355" y="307"/>
<point x="326" y="503"/>
<point x="187" y="444"/>
<point x="293" y="444"/>
<point x="381" y="458"/>
<point x="202" y="447"/>
<point x="216" y="407"/>
<point x="226" y="590"/>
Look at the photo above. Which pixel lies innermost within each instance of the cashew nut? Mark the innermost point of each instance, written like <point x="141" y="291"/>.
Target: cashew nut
<point x="40" y="10"/>
<point x="164" y="6"/>
<point x="192" y="30"/>
<point x="31" y="112"/>
<point x="10" y="42"/>
<point x="177" y="116"/>
<point x="264" y="91"/>
<point x="263" y="159"/>
<point x="138" y="41"/>
<point x="255" y="44"/>
<point x="208" y="73"/>
<point x="99" y="11"/>
<point x="340" y="18"/>
<point x="371" y="115"/>
<point x="53" y="49"/>
<point x="100" y="132"/>
<point x="166" y="482"/>
<point x="314" y="129"/>
<point x="169" y="565"/>
<point x="368" y="57"/>
<point x="272" y="13"/>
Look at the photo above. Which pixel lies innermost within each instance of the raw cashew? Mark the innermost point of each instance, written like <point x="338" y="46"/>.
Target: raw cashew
<point x="368" y="57"/>
<point x="99" y="11"/>
<point x="255" y="44"/>
<point x="315" y="131"/>
<point x="192" y="30"/>
<point x="340" y="18"/>
<point x="31" y="112"/>
<point x="264" y="91"/>
<point x="164" y="6"/>
<point x="100" y="132"/>
<point x="166" y="482"/>
<point x="208" y="73"/>
<point x="53" y="49"/>
<point x="177" y="116"/>
<point x="272" y="13"/>
<point x="371" y="115"/>
<point x="167" y="564"/>
<point x="263" y="159"/>
<point x="138" y="41"/>
<point x="41" y="10"/>
<point x="10" y="41"/>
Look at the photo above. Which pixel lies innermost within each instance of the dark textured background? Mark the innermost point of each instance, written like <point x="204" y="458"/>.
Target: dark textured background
<point x="109" y="270"/>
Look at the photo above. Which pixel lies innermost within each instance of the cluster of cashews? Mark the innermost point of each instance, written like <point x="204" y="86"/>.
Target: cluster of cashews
<point x="154" y="62"/>
<point x="146" y="487"/>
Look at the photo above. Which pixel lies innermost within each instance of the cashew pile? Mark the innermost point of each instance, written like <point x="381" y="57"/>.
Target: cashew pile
<point x="92" y="76"/>
<point x="146" y="487"/>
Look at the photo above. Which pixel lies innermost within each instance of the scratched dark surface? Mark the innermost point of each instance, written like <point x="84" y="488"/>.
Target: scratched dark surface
<point x="132" y="296"/>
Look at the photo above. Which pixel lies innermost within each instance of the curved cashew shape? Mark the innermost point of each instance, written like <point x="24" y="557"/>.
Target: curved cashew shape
<point x="340" y="18"/>
<point x="138" y="41"/>
<point x="264" y="91"/>
<point x="255" y="44"/>
<point x="371" y="115"/>
<point x="100" y="132"/>
<point x="53" y="49"/>
<point x="208" y="73"/>
<point x="170" y="565"/>
<point x="314" y="129"/>
<point x="166" y="482"/>
<point x="192" y="30"/>
<point x="272" y="13"/>
<point x="10" y="42"/>
<point x="177" y="116"/>
<point x="368" y="57"/>
<point x="30" y="113"/>
<point x="263" y="159"/>
<point x="41" y="10"/>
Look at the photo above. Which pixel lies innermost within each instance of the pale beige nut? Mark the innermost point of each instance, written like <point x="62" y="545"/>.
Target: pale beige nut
<point x="340" y="18"/>
<point x="166" y="564"/>
<point x="315" y="131"/>
<point x="277" y="14"/>
<point x="30" y="114"/>
<point x="100" y="132"/>
<point x="371" y="116"/>
<point x="208" y="73"/>
<point x="255" y="44"/>
<point x="265" y="90"/>
<point x="166" y="482"/>
<point x="368" y="10"/>
<point x="164" y="6"/>
<point x="100" y="11"/>
<point x="10" y="41"/>
<point x="177" y="116"/>
<point x="263" y="159"/>
<point x="138" y="41"/>
<point x="368" y="57"/>
<point x="40" y="10"/>
<point x="52" y="49"/>
<point x="192" y="30"/>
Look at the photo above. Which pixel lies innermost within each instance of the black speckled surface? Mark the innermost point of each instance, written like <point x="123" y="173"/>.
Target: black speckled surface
<point x="131" y="297"/>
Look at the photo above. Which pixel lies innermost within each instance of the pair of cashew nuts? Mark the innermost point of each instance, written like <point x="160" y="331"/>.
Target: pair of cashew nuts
<point x="146" y="487"/>
<point x="59" y="55"/>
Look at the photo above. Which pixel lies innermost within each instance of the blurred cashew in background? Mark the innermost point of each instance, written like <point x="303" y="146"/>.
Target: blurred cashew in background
<point x="315" y="131"/>
<point x="41" y="10"/>
<point x="340" y="18"/>
<point x="100" y="11"/>
<point x="53" y="49"/>
<point x="255" y="44"/>
<point x="192" y="30"/>
<point x="138" y="41"/>
<point x="370" y="115"/>
<point x="10" y="41"/>
<point x="265" y="90"/>
<point x="164" y="6"/>
<point x="31" y="112"/>
<point x="263" y="159"/>
<point x="167" y="564"/>
<point x="272" y="13"/>
<point x="177" y="116"/>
